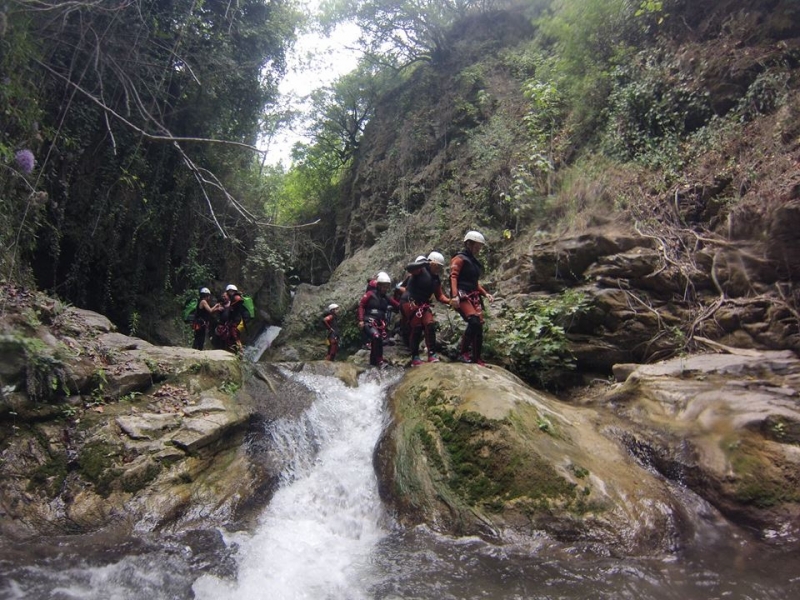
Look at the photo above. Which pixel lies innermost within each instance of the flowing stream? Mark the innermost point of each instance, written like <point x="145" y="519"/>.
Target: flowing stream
<point x="326" y="536"/>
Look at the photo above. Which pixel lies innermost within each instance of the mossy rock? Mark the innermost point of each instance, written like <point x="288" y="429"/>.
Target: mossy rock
<point x="474" y="451"/>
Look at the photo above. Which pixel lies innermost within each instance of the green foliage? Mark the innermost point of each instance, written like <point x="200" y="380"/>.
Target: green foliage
<point x="45" y="375"/>
<point x="584" y="40"/>
<point x="534" y="340"/>
<point x="341" y="111"/>
<point x="229" y="387"/>
<point x="768" y="92"/>
<point x="21" y="200"/>
<point x="651" y="112"/>
<point x="135" y="207"/>
<point x="402" y="32"/>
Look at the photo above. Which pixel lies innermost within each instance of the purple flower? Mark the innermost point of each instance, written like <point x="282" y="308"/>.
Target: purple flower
<point x="25" y="160"/>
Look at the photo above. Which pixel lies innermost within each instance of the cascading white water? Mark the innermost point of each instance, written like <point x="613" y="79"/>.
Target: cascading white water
<point x="264" y="340"/>
<point x="316" y="538"/>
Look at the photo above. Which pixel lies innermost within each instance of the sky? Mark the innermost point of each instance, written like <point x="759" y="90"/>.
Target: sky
<point x="314" y="62"/>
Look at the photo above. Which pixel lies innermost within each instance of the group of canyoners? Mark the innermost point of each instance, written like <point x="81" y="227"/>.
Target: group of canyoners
<point x="222" y="321"/>
<point x="413" y="300"/>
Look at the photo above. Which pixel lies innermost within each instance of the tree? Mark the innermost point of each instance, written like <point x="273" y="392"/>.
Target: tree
<point x="341" y="111"/>
<point x="398" y="33"/>
<point x="151" y="109"/>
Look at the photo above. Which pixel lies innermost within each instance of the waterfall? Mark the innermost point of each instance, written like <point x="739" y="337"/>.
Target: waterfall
<point x="316" y="538"/>
<point x="264" y="340"/>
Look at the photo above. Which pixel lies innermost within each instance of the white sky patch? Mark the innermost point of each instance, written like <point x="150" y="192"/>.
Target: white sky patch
<point x="314" y="62"/>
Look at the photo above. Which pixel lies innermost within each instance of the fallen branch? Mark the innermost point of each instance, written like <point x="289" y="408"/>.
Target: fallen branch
<point x="728" y="349"/>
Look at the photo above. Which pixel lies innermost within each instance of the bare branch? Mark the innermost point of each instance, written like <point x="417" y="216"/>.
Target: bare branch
<point x="158" y="138"/>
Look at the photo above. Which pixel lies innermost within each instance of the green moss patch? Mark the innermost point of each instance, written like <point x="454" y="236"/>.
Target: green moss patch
<point x="481" y="462"/>
<point x="49" y="477"/>
<point x="96" y="464"/>
<point x="760" y="480"/>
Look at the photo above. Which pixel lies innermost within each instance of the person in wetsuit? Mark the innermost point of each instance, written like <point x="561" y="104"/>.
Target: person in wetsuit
<point x="465" y="272"/>
<point x="372" y="317"/>
<point x="203" y="318"/>
<point x="232" y="320"/>
<point x="332" y="325"/>
<point x="424" y="283"/>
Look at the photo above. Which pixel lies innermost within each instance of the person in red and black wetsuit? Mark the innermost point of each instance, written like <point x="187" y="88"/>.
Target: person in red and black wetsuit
<point x="465" y="271"/>
<point x="372" y="316"/>
<point x="403" y="325"/>
<point x="231" y="320"/>
<point x="423" y="283"/>
<point x="332" y="325"/>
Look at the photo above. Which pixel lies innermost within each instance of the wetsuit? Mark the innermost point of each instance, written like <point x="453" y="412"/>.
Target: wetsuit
<point x="332" y="325"/>
<point x="232" y="320"/>
<point x="465" y="271"/>
<point x="372" y="312"/>
<point x="203" y="318"/>
<point x="422" y="285"/>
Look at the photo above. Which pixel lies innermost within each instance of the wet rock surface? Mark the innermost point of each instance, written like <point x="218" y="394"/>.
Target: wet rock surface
<point x="101" y="431"/>
<point x="474" y="451"/>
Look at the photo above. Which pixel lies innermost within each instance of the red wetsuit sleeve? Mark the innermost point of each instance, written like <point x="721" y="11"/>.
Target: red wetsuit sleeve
<point x="393" y="301"/>
<point x="327" y="321"/>
<point x="455" y="270"/>
<point x="362" y="305"/>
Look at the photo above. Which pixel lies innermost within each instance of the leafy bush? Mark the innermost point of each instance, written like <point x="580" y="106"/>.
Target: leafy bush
<point x="534" y="340"/>
<point x="652" y="112"/>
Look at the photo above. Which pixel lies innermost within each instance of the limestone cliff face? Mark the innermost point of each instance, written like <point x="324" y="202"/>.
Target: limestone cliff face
<point x="416" y="167"/>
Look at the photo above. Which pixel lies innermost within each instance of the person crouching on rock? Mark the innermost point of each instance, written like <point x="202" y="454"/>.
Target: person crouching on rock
<point x="331" y="324"/>
<point x="372" y="317"/>
<point x="424" y="283"/>
<point x="465" y="271"/>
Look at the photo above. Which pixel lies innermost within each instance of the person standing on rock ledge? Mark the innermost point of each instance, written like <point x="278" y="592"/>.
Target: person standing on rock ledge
<point x="203" y="318"/>
<point x="465" y="271"/>
<point x="232" y="321"/>
<point x="332" y="325"/>
<point x="424" y="283"/>
<point x="372" y="317"/>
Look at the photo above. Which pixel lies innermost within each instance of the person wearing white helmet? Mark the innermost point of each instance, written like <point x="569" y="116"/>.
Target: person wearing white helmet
<point x="423" y="284"/>
<point x="232" y="320"/>
<point x="465" y="272"/>
<point x="331" y="323"/>
<point x="372" y="314"/>
<point x="203" y="317"/>
<point x="402" y="296"/>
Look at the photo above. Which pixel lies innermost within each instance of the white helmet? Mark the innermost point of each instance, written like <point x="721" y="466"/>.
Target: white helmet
<point x="383" y="278"/>
<point x="474" y="236"/>
<point x="420" y="258"/>
<point x="231" y="288"/>
<point x="333" y="306"/>
<point x="204" y="291"/>
<point x="436" y="258"/>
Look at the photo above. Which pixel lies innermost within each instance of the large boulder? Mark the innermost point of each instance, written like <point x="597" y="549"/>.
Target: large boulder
<point x="473" y="450"/>
<point x="725" y="425"/>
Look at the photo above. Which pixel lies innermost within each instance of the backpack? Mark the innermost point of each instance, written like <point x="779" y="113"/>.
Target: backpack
<point x="190" y="310"/>
<point x="247" y="301"/>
